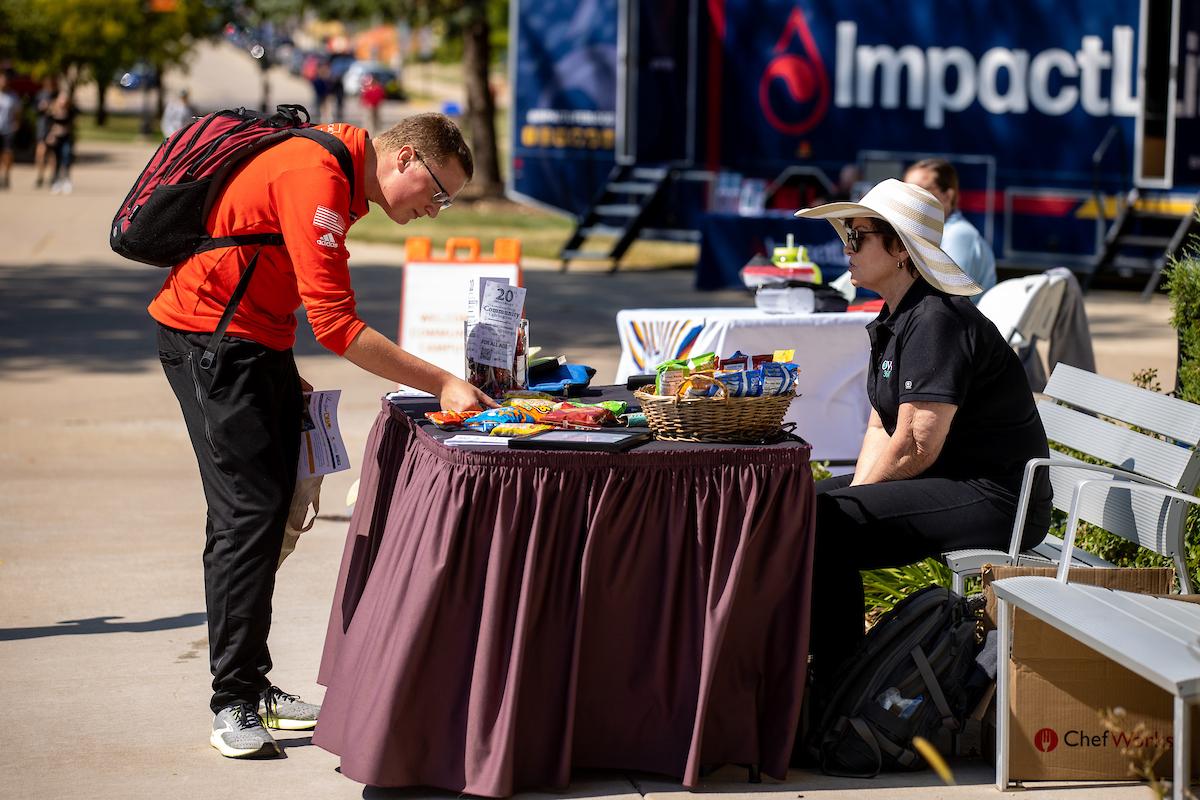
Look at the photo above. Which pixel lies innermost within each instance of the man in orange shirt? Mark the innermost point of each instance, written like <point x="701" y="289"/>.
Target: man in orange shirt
<point x="243" y="411"/>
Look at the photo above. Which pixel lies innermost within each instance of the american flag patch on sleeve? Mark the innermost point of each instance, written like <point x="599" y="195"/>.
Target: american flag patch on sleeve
<point x="329" y="220"/>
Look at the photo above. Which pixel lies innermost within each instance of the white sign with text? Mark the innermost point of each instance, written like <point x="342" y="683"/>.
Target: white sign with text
<point x="433" y="308"/>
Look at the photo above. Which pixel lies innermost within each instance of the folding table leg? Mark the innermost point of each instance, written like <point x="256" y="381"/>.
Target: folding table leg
<point x="1182" y="748"/>
<point x="1004" y="627"/>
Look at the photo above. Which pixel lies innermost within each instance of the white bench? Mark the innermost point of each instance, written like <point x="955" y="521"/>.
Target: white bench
<point x="1156" y="637"/>
<point x="1144" y="498"/>
<point x="1074" y="415"/>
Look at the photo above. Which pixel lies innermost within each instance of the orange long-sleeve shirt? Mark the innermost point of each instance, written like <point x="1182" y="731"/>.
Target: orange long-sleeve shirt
<point x="297" y="188"/>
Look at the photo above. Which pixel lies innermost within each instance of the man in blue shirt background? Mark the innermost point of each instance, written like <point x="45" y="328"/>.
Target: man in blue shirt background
<point x="960" y="239"/>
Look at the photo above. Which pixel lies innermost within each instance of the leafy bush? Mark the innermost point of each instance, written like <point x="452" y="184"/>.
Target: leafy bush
<point x="1183" y="285"/>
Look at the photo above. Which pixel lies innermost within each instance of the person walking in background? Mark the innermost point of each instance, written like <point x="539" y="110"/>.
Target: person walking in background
<point x="10" y="119"/>
<point x="60" y="138"/>
<point x="243" y="410"/>
<point x="320" y="85"/>
<point x="960" y="239"/>
<point x="371" y="97"/>
<point x="42" y="102"/>
<point x="177" y="114"/>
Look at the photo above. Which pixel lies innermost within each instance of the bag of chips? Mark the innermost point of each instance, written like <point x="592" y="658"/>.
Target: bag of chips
<point x="519" y="429"/>
<point x="573" y="417"/>
<point x="484" y="422"/>
<point x="617" y="407"/>
<point x="449" y="420"/>
<point x="778" y="378"/>
<point x="532" y="405"/>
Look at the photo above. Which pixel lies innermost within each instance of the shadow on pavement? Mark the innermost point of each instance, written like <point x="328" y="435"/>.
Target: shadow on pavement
<point x="71" y="627"/>
<point x="93" y="317"/>
<point x="299" y="741"/>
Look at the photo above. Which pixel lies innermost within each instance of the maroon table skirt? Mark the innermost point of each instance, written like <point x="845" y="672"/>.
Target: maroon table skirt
<point x="502" y="617"/>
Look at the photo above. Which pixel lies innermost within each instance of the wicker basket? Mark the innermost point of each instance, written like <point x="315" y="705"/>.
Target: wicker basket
<point x="714" y="419"/>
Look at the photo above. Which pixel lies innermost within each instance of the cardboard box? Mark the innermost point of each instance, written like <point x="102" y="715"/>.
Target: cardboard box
<point x="1061" y="689"/>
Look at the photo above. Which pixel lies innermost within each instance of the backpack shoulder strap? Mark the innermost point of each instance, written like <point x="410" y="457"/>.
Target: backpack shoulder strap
<point x="336" y="147"/>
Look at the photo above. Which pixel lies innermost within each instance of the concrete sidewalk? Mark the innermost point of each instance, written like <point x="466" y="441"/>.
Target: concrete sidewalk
<point x="103" y="662"/>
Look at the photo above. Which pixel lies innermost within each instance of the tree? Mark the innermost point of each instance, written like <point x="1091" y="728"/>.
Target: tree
<point x="92" y="39"/>
<point x="481" y="102"/>
<point x="471" y="21"/>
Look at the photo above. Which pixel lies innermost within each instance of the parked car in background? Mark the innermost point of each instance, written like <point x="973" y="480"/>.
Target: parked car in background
<point x="358" y="72"/>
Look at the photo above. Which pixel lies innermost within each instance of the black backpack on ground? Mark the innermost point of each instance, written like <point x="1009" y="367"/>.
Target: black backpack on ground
<point x="914" y="675"/>
<point x="164" y="219"/>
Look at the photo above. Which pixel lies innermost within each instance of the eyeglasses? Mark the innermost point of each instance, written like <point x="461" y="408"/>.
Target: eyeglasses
<point x="441" y="197"/>
<point x="854" y="238"/>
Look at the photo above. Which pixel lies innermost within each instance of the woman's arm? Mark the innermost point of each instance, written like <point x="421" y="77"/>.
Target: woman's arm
<point x="921" y="429"/>
<point x="874" y="442"/>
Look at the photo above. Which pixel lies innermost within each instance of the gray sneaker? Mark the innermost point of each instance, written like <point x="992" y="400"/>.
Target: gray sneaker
<point x="286" y="712"/>
<point x="238" y="733"/>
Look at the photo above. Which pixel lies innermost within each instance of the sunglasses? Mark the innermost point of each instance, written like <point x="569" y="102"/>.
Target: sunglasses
<point x="441" y="197"/>
<point x="854" y="237"/>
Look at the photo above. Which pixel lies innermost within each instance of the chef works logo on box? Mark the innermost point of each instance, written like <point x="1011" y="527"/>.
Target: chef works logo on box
<point x="1047" y="739"/>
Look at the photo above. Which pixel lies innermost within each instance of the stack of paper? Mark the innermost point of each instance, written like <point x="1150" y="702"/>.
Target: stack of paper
<point x="475" y="440"/>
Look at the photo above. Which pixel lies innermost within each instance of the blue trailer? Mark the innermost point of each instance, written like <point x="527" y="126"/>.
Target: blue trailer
<point x="1073" y="123"/>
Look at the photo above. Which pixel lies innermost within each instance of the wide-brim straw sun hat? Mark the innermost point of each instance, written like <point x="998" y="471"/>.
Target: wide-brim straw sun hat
<point x="917" y="217"/>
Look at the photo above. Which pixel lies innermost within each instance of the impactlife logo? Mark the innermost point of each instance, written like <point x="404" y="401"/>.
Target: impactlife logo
<point x="805" y="97"/>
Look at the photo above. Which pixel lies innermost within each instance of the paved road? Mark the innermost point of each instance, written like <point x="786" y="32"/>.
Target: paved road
<point x="103" y="672"/>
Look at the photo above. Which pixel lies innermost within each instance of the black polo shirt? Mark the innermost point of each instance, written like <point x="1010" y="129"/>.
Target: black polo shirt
<point x="938" y="347"/>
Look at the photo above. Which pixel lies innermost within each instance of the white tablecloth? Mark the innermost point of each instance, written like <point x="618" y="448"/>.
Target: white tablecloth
<point x="831" y="349"/>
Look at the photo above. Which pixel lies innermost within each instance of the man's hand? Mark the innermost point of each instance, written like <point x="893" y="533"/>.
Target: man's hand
<point x="305" y="386"/>
<point x="458" y="395"/>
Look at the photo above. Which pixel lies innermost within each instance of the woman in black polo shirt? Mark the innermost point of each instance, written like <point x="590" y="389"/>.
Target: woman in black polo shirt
<point x="952" y="426"/>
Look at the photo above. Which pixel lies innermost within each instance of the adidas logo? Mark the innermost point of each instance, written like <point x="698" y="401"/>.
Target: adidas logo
<point x="327" y="241"/>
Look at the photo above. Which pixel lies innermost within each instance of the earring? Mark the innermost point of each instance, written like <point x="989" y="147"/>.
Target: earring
<point x="899" y="265"/>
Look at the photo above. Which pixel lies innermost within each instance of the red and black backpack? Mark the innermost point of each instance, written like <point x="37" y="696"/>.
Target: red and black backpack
<point x="163" y="219"/>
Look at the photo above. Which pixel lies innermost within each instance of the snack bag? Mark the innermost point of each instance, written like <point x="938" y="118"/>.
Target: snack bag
<point x="448" y="420"/>
<point x="534" y="406"/>
<point x="700" y="385"/>
<point x="484" y="422"/>
<point x="705" y="362"/>
<point x="737" y="361"/>
<point x="778" y="378"/>
<point x="669" y="375"/>
<point x="519" y="429"/>
<point x="743" y="382"/>
<point x="573" y="417"/>
<point x="617" y="407"/>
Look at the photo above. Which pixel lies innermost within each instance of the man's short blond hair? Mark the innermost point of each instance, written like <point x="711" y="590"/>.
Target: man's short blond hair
<point x="434" y="136"/>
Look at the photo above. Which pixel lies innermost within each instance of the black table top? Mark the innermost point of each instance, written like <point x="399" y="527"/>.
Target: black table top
<point x="415" y="408"/>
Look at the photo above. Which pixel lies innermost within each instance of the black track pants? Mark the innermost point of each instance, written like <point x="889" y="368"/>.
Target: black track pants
<point x="890" y="525"/>
<point x="243" y="418"/>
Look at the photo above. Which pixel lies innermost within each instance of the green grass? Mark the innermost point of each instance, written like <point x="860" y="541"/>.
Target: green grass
<point x="118" y="128"/>
<point x="542" y="234"/>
